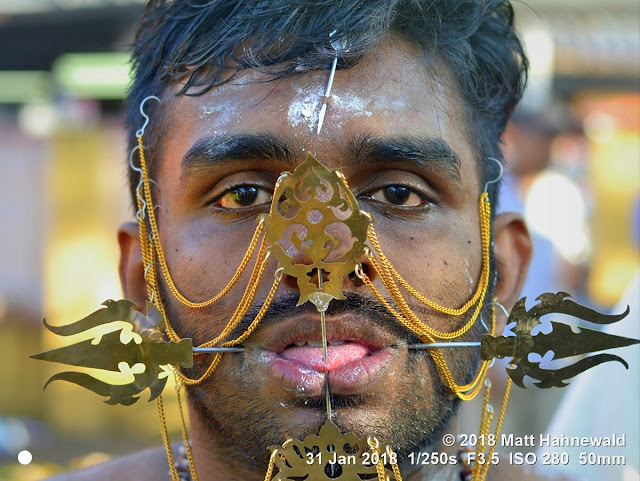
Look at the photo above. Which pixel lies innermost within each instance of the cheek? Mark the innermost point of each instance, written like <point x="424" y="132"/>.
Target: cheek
<point x="203" y="258"/>
<point x="441" y="259"/>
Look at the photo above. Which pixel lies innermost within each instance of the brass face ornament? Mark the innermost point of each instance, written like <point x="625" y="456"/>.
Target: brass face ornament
<point x="315" y="227"/>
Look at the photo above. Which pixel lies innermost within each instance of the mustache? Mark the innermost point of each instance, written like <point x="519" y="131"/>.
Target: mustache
<point x="287" y="305"/>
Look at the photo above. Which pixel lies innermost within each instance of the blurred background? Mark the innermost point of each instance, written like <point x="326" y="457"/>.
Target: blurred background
<point x="573" y="152"/>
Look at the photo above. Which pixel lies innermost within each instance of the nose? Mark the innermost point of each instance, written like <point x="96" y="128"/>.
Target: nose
<point x="333" y="251"/>
<point x="317" y="232"/>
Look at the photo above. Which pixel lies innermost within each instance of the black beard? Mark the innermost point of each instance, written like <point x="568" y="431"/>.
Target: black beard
<point x="243" y="426"/>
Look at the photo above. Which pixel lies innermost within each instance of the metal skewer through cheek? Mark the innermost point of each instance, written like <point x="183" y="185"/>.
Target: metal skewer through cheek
<point x="419" y="347"/>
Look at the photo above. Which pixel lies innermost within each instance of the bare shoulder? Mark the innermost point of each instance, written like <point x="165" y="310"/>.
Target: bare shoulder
<point x="148" y="465"/>
<point x="506" y="472"/>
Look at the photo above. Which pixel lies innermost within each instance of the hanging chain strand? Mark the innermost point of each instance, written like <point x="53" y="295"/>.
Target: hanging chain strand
<point x="396" y="472"/>
<point x="165" y="440"/>
<point x="387" y="273"/>
<point x="185" y="434"/>
<point x="247" y="297"/>
<point x="147" y="259"/>
<point x="486" y="416"/>
<point x="484" y="469"/>
<point x="260" y="315"/>
<point x="160" y="253"/>
<point x="272" y="463"/>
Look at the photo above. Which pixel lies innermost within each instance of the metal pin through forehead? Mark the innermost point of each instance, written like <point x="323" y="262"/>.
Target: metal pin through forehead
<point x="327" y="92"/>
<point x="323" y="110"/>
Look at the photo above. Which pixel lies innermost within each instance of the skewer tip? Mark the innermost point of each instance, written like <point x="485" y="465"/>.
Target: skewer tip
<point x="321" y="115"/>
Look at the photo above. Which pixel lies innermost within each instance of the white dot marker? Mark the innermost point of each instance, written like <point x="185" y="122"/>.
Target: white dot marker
<point x="25" y="457"/>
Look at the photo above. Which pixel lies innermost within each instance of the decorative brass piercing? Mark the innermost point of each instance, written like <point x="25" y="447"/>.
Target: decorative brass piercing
<point x="315" y="214"/>
<point x="108" y="351"/>
<point x="562" y="341"/>
<point x="331" y="455"/>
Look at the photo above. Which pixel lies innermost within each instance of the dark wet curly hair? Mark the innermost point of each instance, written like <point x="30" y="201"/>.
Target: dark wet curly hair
<point x="197" y="39"/>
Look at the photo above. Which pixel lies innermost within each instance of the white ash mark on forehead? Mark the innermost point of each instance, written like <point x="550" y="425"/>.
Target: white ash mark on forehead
<point x="390" y="104"/>
<point x="304" y="108"/>
<point x="221" y="109"/>
<point x="351" y="103"/>
<point x="347" y="104"/>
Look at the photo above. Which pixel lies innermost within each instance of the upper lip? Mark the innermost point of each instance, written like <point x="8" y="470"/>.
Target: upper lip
<point x="345" y="326"/>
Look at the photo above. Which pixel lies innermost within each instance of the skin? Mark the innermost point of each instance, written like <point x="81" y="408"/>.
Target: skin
<point x="433" y="240"/>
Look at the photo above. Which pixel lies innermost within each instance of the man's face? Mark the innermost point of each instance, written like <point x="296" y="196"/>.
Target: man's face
<point x="399" y="134"/>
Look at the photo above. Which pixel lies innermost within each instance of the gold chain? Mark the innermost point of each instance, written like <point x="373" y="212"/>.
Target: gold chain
<point x="259" y="316"/>
<point x="187" y="381"/>
<point x="185" y="434"/>
<point x="436" y="354"/>
<point x="160" y="253"/>
<point x="387" y="272"/>
<point x="396" y="472"/>
<point x="408" y="318"/>
<point x="247" y="297"/>
<point x="484" y="209"/>
<point x="152" y="249"/>
<point x="165" y="440"/>
<point x="272" y="463"/>
<point x="480" y="470"/>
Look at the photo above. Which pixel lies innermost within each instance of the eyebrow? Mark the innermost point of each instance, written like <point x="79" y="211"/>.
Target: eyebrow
<point x="223" y="149"/>
<point x="426" y="152"/>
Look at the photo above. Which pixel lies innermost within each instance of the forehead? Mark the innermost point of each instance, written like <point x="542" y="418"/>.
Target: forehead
<point x="394" y="91"/>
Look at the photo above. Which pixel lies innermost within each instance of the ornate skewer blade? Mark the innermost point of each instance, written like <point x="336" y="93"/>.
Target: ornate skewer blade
<point x="562" y="340"/>
<point x="109" y="351"/>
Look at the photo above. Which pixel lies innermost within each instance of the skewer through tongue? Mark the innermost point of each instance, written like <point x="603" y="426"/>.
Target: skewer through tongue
<point x="337" y="355"/>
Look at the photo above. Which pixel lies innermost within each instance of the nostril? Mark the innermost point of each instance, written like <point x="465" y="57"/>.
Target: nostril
<point x="365" y="269"/>
<point x="355" y="280"/>
<point x="290" y="281"/>
<point x="311" y="276"/>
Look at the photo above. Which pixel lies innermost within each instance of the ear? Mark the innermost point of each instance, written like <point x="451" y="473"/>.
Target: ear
<point x="512" y="251"/>
<point x="131" y="267"/>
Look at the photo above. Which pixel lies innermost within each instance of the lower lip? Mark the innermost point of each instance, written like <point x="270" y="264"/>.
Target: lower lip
<point x="354" y="377"/>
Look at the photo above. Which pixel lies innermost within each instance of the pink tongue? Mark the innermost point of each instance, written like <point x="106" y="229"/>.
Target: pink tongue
<point x="336" y="355"/>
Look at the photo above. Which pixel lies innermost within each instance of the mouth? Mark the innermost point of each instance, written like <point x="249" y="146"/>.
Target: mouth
<point x="359" y="356"/>
<point x="311" y="355"/>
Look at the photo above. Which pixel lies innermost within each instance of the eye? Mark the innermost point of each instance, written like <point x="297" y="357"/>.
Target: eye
<point x="242" y="196"/>
<point x="399" y="195"/>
